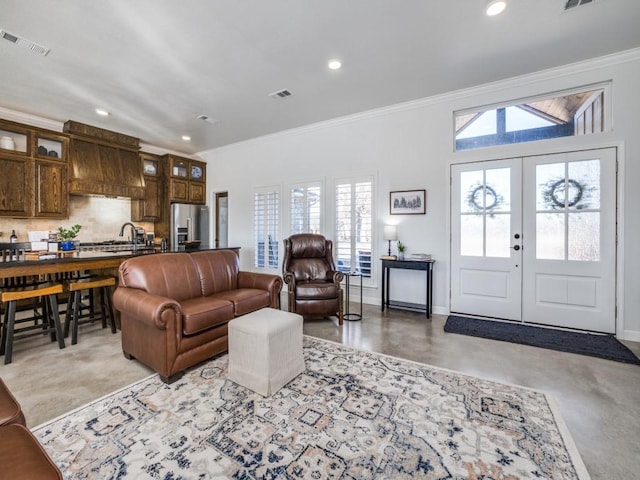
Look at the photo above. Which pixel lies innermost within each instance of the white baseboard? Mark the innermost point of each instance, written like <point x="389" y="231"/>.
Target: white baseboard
<point x="631" y="335"/>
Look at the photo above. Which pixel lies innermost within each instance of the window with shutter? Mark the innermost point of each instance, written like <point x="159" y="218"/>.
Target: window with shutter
<point x="306" y="208"/>
<point x="266" y="227"/>
<point x="354" y="222"/>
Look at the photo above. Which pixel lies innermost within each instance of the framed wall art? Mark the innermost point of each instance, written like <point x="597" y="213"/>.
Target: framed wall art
<point x="408" y="202"/>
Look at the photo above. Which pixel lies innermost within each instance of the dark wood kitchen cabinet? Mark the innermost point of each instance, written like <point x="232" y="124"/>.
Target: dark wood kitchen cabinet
<point x="15" y="186"/>
<point x="187" y="179"/>
<point x="34" y="170"/>
<point x="149" y="208"/>
<point x="51" y="192"/>
<point x="51" y="180"/>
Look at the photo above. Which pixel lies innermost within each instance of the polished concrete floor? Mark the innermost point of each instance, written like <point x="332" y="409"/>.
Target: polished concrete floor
<point x="599" y="400"/>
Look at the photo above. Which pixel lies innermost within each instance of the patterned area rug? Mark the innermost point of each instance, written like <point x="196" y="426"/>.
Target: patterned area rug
<point x="351" y="415"/>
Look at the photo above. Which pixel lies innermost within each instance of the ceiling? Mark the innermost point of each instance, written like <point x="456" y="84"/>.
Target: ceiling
<point x="156" y="65"/>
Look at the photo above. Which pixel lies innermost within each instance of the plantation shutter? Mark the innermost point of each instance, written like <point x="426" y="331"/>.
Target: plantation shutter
<point x="306" y="208"/>
<point x="354" y="240"/>
<point x="266" y="225"/>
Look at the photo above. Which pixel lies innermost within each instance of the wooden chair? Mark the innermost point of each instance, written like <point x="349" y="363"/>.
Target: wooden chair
<point x="14" y="251"/>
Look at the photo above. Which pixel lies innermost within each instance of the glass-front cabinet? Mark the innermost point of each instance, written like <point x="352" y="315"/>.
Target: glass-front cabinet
<point x="149" y="208"/>
<point x="196" y="172"/>
<point x="51" y="147"/>
<point x="187" y="180"/>
<point x="14" y="139"/>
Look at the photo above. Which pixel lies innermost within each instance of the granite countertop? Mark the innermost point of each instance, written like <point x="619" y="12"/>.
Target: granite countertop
<point x="100" y="251"/>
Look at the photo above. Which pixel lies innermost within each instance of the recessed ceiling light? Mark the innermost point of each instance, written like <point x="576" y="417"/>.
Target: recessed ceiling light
<point x="335" y="64"/>
<point x="495" y="7"/>
<point x="186" y="138"/>
<point x="102" y="112"/>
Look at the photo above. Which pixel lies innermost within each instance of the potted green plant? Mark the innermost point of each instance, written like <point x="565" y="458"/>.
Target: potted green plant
<point x="401" y="248"/>
<point x="67" y="236"/>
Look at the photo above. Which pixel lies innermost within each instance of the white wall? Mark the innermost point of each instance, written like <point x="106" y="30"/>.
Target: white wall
<point x="410" y="146"/>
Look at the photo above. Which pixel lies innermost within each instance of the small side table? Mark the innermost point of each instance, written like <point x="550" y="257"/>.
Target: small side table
<point x="352" y="317"/>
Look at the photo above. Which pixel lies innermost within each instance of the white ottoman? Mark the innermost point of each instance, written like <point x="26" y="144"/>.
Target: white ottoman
<point x="265" y="350"/>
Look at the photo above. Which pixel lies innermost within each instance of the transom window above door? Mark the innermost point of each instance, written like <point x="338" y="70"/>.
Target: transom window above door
<point x="561" y="114"/>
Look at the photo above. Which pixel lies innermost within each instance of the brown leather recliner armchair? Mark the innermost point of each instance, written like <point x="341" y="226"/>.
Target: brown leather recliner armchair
<point x="310" y="273"/>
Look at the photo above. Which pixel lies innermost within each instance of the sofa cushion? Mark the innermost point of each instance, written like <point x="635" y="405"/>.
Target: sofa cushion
<point x="246" y="300"/>
<point x="202" y="313"/>
<point x="172" y="275"/>
<point x="217" y="270"/>
<point x="316" y="290"/>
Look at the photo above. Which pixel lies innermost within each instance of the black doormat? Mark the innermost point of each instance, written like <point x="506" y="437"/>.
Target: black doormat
<point x="603" y="346"/>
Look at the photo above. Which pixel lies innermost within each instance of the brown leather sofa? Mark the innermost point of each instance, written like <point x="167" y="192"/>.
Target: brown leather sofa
<point x="309" y="271"/>
<point x="175" y="306"/>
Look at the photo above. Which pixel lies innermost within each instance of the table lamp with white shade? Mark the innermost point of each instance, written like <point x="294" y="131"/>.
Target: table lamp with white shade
<point x="390" y="234"/>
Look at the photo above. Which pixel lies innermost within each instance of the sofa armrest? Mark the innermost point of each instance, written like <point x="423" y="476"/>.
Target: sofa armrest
<point x="335" y="276"/>
<point x="147" y="308"/>
<point x="290" y="279"/>
<point x="262" y="281"/>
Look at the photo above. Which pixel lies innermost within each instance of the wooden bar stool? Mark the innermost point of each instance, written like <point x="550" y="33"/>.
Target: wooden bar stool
<point x="49" y="291"/>
<point x="75" y="316"/>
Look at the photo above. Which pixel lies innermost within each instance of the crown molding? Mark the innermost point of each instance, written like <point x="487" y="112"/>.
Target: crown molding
<point x="29" y="119"/>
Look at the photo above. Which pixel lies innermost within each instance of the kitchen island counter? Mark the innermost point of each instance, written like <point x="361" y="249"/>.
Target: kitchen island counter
<point x="76" y="261"/>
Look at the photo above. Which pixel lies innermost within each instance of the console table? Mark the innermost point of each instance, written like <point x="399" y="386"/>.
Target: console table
<point x="426" y="266"/>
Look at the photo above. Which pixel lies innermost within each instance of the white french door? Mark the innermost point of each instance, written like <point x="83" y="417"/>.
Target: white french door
<point x="533" y="239"/>
<point x="486" y="262"/>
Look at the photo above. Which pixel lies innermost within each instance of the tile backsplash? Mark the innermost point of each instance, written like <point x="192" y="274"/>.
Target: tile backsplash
<point x="101" y="219"/>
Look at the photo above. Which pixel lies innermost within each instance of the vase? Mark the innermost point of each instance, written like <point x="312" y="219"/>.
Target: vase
<point x="400" y="255"/>
<point x="67" y="245"/>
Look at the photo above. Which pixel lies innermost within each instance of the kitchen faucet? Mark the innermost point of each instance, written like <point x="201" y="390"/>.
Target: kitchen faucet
<point x="133" y="234"/>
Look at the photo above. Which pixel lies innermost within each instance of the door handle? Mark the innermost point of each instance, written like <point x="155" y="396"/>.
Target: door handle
<point x="516" y="247"/>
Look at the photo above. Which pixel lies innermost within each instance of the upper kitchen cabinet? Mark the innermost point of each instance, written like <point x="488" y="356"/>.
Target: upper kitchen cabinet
<point x="51" y="192"/>
<point x="16" y="186"/>
<point x="14" y="138"/>
<point x="149" y="208"/>
<point x="187" y="179"/>
<point x="51" y="189"/>
<point x="50" y="146"/>
<point x="34" y="168"/>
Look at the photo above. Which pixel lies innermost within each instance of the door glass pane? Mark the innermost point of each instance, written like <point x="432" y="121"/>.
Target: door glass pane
<point x="584" y="180"/>
<point x="498" y="190"/>
<point x="584" y="236"/>
<point x="550" y="236"/>
<point x="471" y="243"/>
<point x="550" y="179"/>
<point x="498" y="235"/>
<point x="471" y="191"/>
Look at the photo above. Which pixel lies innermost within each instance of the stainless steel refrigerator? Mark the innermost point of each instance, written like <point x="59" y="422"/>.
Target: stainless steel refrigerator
<point x="189" y="226"/>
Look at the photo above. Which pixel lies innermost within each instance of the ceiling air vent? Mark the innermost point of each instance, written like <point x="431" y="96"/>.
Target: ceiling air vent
<point x="281" y="94"/>
<point x="208" y="119"/>
<point x="576" y="3"/>
<point x="23" y="42"/>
